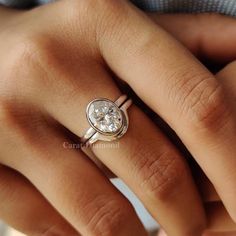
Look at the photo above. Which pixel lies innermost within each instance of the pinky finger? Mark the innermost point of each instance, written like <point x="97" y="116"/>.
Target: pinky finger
<point x="25" y="209"/>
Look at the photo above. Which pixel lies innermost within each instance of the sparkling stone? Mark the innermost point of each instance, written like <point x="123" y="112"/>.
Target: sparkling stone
<point x="105" y="116"/>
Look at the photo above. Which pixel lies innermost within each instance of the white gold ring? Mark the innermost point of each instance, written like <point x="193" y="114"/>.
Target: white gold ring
<point x="108" y="120"/>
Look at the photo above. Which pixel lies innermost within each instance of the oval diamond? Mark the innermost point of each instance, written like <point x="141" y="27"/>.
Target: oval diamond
<point x="105" y="116"/>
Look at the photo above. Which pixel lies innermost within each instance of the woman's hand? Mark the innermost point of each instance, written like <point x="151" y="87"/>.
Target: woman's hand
<point x="54" y="60"/>
<point x="204" y="35"/>
<point x="219" y="221"/>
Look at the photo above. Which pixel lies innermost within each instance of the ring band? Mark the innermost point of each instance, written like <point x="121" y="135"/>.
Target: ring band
<point x="108" y="120"/>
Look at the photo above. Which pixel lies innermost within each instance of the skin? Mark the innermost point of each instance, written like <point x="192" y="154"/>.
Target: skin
<point x="221" y="51"/>
<point x="219" y="221"/>
<point x="43" y="95"/>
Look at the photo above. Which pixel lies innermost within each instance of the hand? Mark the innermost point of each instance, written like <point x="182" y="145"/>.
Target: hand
<point x="43" y="90"/>
<point x="219" y="221"/>
<point x="208" y="43"/>
<point x="52" y="64"/>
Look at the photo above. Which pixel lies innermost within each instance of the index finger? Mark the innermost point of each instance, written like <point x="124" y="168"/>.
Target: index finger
<point x="175" y="85"/>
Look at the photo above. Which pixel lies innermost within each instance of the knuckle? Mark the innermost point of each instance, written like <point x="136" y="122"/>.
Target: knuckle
<point x="28" y="48"/>
<point x="210" y="110"/>
<point x="159" y="174"/>
<point x="15" y="66"/>
<point x="203" y="102"/>
<point x="32" y="64"/>
<point x="81" y="17"/>
<point x="97" y="21"/>
<point x="106" y="217"/>
<point x="25" y="62"/>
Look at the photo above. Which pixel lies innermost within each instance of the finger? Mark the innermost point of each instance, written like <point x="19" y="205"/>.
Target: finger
<point x="25" y="209"/>
<point x="144" y="158"/>
<point x="227" y="79"/>
<point x="157" y="169"/>
<point x="207" y="35"/>
<point x="157" y="174"/>
<point x="201" y="36"/>
<point x="182" y="91"/>
<point x="218" y="218"/>
<point x="69" y="181"/>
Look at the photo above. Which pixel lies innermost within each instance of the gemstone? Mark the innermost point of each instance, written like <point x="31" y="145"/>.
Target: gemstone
<point x="105" y="116"/>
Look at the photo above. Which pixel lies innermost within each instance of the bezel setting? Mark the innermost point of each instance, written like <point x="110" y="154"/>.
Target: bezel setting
<point x="114" y="118"/>
<point x="108" y="120"/>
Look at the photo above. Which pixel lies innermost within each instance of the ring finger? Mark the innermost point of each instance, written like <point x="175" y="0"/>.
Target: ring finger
<point x="145" y="159"/>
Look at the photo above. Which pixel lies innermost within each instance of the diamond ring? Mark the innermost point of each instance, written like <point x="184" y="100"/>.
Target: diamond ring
<point x="108" y="120"/>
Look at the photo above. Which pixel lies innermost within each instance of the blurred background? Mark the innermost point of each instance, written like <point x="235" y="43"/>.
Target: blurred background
<point x="7" y="231"/>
